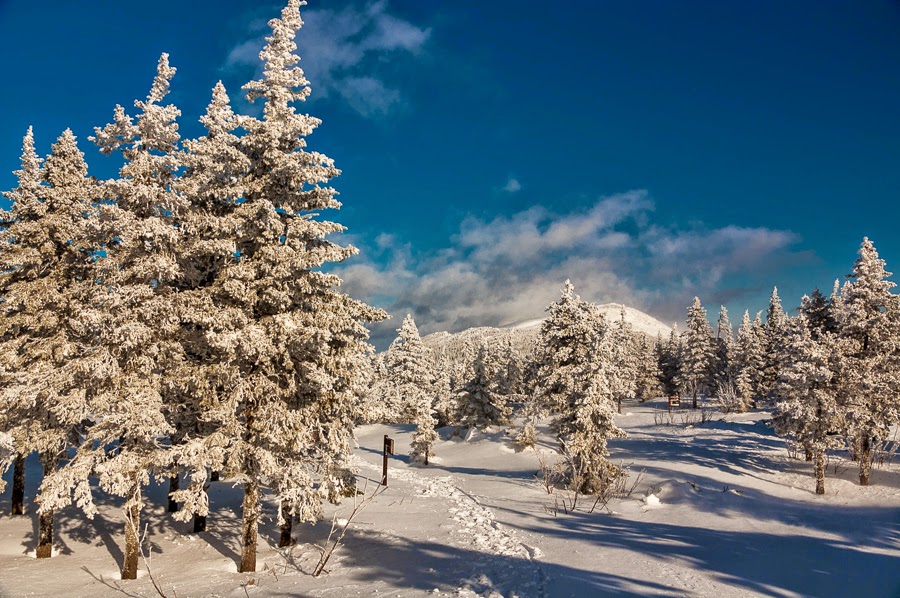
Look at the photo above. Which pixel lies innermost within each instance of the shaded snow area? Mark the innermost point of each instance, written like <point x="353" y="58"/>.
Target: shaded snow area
<point x="713" y="509"/>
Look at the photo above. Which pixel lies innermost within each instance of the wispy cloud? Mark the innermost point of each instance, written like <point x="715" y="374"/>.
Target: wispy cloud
<point x="512" y="185"/>
<point x="349" y="53"/>
<point x="508" y="269"/>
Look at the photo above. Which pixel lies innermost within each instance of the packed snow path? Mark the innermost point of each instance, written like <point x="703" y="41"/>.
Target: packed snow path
<point x="476" y="526"/>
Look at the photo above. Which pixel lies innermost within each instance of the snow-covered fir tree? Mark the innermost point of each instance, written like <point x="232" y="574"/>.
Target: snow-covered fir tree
<point x="869" y="320"/>
<point x="748" y="360"/>
<point x="573" y="381"/>
<point x="808" y="412"/>
<point x="296" y="343"/>
<point x="623" y="373"/>
<point x="425" y="436"/>
<point x="481" y="401"/>
<point x="648" y="384"/>
<point x="773" y="335"/>
<point x="817" y="310"/>
<point x="409" y="371"/>
<point x="668" y="355"/>
<point x="697" y="354"/>
<point x="28" y="207"/>
<point x="128" y="314"/>
<point x="46" y="271"/>
<point x="212" y="183"/>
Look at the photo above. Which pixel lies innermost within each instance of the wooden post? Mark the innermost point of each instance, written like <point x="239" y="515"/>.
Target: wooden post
<point x="388" y="450"/>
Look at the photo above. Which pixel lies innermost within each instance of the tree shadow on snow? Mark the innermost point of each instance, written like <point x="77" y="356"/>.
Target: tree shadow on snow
<point x="768" y="564"/>
<point x="429" y="566"/>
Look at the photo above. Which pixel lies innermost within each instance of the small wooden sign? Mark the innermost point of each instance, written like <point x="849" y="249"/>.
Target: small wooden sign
<point x="388" y="450"/>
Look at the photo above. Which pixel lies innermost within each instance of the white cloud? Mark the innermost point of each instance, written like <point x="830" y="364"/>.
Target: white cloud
<point x="347" y="53"/>
<point x="512" y="185"/>
<point x="510" y="268"/>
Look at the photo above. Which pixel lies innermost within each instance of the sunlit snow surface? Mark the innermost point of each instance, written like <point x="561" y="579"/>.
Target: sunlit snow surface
<point x="721" y="510"/>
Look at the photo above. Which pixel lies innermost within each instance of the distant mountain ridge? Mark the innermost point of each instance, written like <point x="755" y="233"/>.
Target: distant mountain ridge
<point x="522" y="334"/>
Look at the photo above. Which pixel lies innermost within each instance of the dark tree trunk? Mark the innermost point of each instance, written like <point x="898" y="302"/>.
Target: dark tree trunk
<point x="250" y="527"/>
<point x="285" y="539"/>
<point x="18" y="488"/>
<point x="200" y="520"/>
<point x="173" y="487"/>
<point x="694" y="400"/>
<point x="45" y="518"/>
<point x="199" y="523"/>
<point x="214" y="476"/>
<point x="619" y="405"/>
<point x="132" y="531"/>
<point x="809" y="454"/>
<point x="865" y="459"/>
<point x="820" y="470"/>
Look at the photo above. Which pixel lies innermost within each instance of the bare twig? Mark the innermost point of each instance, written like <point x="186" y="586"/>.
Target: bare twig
<point x="329" y="547"/>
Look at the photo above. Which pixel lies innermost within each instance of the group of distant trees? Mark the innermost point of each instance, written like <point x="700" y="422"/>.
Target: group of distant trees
<point x="831" y="373"/>
<point x="174" y="321"/>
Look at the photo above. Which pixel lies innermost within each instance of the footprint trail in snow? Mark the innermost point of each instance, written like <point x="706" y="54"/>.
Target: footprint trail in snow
<point x="515" y="573"/>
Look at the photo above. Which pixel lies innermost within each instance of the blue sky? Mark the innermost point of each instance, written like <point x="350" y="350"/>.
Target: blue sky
<point x="649" y="151"/>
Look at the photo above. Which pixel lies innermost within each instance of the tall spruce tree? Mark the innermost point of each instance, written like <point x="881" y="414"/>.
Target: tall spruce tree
<point x="408" y="370"/>
<point x="28" y="207"/>
<point x="808" y="412"/>
<point x="46" y="265"/>
<point x="869" y="318"/>
<point x="572" y="380"/>
<point x="296" y="344"/>
<point x="773" y="335"/>
<point x="697" y="354"/>
<point x="623" y="373"/>
<point x="128" y="314"/>
<point x="481" y="401"/>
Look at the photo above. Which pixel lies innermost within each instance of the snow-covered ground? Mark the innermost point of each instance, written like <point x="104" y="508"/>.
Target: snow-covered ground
<point x="720" y="510"/>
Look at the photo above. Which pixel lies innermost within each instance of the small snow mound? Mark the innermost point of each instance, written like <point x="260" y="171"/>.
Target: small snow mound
<point x="651" y="500"/>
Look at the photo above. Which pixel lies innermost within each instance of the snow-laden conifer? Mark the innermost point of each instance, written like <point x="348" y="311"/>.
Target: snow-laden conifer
<point x="648" y="384"/>
<point x="572" y="381"/>
<point x="697" y="354"/>
<point x="669" y="359"/>
<point x="773" y="335"/>
<point x="748" y="360"/>
<point x="869" y="318"/>
<point x="129" y="312"/>
<point x="623" y="373"/>
<point x="296" y="344"/>
<point x="425" y="435"/>
<point x="808" y="412"/>
<point x="408" y="369"/>
<point x="46" y="272"/>
<point x="28" y="207"/>
<point x="481" y="401"/>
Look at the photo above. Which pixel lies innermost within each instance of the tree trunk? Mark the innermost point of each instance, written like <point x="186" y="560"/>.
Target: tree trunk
<point x="694" y="404"/>
<point x="820" y="470"/>
<point x="214" y="476"/>
<point x="173" y="487"/>
<point x="199" y="523"/>
<point x="285" y="539"/>
<point x="619" y="405"/>
<point x="18" y="488"/>
<point x="865" y="459"/>
<point x="45" y="518"/>
<point x="809" y="453"/>
<point x="249" y="528"/>
<point x="132" y="530"/>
